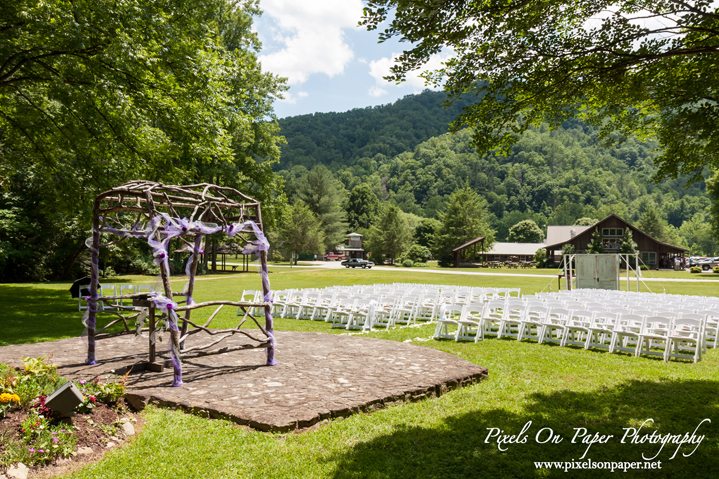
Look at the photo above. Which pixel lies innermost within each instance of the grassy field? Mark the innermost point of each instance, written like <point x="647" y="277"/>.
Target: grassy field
<point x="558" y="389"/>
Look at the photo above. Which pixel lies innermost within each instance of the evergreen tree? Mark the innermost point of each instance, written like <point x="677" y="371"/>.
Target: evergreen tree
<point x="465" y="219"/>
<point x="391" y="235"/>
<point x="652" y="224"/>
<point x="628" y="246"/>
<point x="321" y="193"/>
<point x="300" y="231"/>
<point x="596" y="246"/>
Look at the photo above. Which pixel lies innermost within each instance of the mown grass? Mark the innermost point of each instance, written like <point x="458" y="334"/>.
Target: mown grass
<point x="557" y="388"/>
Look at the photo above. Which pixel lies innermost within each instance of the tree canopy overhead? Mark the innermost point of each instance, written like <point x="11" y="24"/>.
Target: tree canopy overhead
<point x="630" y="66"/>
<point x="95" y="93"/>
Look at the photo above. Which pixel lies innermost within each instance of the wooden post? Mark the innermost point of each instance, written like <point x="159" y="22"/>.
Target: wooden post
<point x="267" y="296"/>
<point x="152" y="330"/>
<point x="92" y="304"/>
<point x="191" y="284"/>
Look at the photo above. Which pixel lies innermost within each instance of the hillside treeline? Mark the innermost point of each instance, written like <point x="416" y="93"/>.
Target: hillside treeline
<point x="553" y="177"/>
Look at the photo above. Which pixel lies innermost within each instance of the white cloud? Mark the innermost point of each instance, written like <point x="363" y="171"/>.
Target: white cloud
<point x="381" y="68"/>
<point x="302" y="94"/>
<point x="311" y="35"/>
<point x="377" y="91"/>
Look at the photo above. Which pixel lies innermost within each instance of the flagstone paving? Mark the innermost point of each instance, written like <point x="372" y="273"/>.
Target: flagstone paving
<point x="318" y="376"/>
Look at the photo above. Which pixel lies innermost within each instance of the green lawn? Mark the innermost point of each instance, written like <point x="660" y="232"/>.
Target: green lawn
<point x="557" y="388"/>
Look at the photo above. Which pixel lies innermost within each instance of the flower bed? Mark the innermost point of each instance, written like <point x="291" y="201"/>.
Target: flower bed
<point x="29" y="431"/>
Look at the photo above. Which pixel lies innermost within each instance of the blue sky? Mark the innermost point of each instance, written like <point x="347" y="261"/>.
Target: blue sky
<point x="331" y="63"/>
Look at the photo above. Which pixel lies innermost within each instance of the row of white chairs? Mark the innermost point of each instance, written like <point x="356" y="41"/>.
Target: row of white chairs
<point x="645" y="304"/>
<point x="368" y="306"/>
<point x="667" y="335"/>
<point x="113" y="290"/>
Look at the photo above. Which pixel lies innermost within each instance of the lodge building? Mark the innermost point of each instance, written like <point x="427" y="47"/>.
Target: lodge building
<point x="652" y="252"/>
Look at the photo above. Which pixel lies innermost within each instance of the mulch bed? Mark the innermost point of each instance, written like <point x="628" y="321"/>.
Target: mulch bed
<point x="92" y="440"/>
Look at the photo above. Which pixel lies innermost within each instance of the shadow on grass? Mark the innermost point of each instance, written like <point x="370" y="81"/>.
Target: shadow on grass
<point x="32" y="314"/>
<point x="457" y="448"/>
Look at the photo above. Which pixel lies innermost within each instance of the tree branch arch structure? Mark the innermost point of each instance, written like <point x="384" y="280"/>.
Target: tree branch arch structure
<point x="159" y="213"/>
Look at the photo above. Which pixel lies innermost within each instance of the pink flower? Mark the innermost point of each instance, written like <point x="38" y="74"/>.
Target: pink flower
<point x="54" y="439"/>
<point x="82" y="381"/>
<point x="32" y="450"/>
<point x="40" y="450"/>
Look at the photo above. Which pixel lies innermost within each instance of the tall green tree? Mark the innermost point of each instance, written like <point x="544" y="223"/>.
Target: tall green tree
<point x="585" y="221"/>
<point x="525" y="231"/>
<point x="362" y="207"/>
<point x="713" y="191"/>
<point x="652" y="224"/>
<point x="321" y="192"/>
<point x="628" y="246"/>
<point x="596" y="245"/>
<point x="425" y="231"/>
<point x="550" y="61"/>
<point x="465" y="219"/>
<point x="300" y="231"/>
<point x="391" y="235"/>
<point x="93" y="94"/>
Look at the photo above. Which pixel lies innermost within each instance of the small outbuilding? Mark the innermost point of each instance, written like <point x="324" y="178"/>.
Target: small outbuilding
<point x="468" y="250"/>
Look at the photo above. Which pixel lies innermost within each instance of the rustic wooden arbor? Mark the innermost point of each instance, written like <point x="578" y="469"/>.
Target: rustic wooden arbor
<point x="159" y="213"/>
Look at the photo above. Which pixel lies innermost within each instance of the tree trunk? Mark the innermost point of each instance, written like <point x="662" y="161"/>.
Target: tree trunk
<point x="214" y="255"/>
<point x="79" y="249"/>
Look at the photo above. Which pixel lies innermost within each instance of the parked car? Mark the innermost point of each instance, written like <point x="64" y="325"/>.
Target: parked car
<point x="708" y="263"/>
<point x="357" y="263"/>
<point x="334" y="256"/>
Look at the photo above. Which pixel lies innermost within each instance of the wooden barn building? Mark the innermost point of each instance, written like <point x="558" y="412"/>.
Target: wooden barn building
<point x="652" y="252"/>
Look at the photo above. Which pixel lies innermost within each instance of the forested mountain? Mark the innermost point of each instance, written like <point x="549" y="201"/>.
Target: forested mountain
<point x="339" y="139"/>
<point x="551" y="177"/>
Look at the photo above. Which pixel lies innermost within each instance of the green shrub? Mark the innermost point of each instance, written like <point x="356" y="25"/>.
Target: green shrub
<point x="408" y="263"/>
<point x="695" y="269"/>
<point x="541" y="258"/>
<point x="716" y="269"/>
<point x="37" y="379"/>
<point x="418" y="254"/>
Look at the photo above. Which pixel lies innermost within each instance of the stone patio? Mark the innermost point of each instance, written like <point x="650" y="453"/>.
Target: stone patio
<point x="319" y="376"/>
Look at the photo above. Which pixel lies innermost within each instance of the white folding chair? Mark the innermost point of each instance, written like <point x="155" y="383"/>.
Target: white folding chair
<point x="513" y="318"/>
<point x="577" y="328"/>
<point x="625" y="336"/>
<point x="685" y="334"/>
<point x="126" y="289"/>
<point x="492" y="318"/>
<point x="468" y="326"/>
<point x="599" y="332"/>
<point x="653" y="335"/>
<point x="449" y="316"/>
<point x="306" y="306"/>
<point x="107" y="292"/>
<point x="534" y="320"/>
<point x="554" y="326"/>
